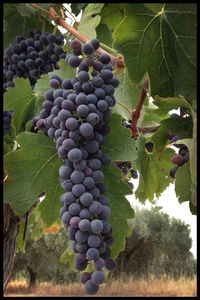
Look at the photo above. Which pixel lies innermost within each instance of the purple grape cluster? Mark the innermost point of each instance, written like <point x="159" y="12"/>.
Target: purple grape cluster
<point x="75" y="114"/>
<point x="128" y="171"/>
<point x="7" y="116"/>
<point x="30" y="58"/>
<point x="179" y="159"/>
<point x="183" y="153"/>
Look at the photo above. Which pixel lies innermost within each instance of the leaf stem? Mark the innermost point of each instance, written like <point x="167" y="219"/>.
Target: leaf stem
<point x="84" y="39"/>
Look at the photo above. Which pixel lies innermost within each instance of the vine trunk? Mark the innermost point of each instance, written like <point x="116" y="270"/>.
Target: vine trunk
<point x="10" y="233"/>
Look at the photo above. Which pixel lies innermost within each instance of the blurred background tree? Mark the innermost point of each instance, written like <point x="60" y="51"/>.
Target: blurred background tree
<point x="158" y="246"/>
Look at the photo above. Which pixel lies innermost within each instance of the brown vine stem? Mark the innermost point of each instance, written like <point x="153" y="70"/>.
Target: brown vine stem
<point x="136" y="112"/>
<point x="119" y="60"/>
<point x="148" y="129"/>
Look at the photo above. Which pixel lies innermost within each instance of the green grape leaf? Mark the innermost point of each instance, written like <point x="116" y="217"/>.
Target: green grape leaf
<point x="41" y="86"/>
<point x="6" y="148"/>
<point x="160" y="42"/>
<point x="127" y="95"/>
<point x="121" y="209"/>
<point x="179" y="126"/>
<point x="33" y="169"/>
<point x="154" y="171"/>
<point x="25" y="10"/>
<point x="104" y="34"/>
<point x="167" y="104"/>
<point x="21" y="100"/>
<point x="192" y="146"/>
<point x="90" y="19"/>
<point x="183" y="183"/>
<point x="119" y="144"/>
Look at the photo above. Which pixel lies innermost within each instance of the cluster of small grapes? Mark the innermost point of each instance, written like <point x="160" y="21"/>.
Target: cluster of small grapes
<point x="75" y="115"/>
<point x="128" y="171"/>
<point x="30" y="58"/>
<point x="179" y="159"/>
<point x="7" y="116"/>
<point x="183" y="154"/>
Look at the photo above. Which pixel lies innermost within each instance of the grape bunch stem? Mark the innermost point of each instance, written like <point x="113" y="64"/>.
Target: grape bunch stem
<point x="119" y="61"/>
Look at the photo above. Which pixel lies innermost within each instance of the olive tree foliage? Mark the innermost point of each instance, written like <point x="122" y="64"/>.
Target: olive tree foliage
<point x="158" y="245"/>
<point x="41" y="259"/>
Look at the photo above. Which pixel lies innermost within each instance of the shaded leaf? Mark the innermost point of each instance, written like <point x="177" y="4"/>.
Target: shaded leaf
<point x="126" y="94"/>
<point x="167" y="104"/>
<point x="120" y="207"/>
<point x="31" y="170"/>
<point x="25" y="10"/>
<point x="6" y="148"/>
<point x="119" y="144"/>
<point x="21" y="100"/>
<point x="161" y="43"/>
<point x="183" y="183"/>
<point x="179" y="126"/>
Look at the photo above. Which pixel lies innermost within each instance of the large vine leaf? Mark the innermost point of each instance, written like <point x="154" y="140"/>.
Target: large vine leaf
<point x="21" y="100"/>
<point x="153" y="170"/>
<point x="127" y="95"/>
<point x="120" y="207"/>
<point x="33" y="169"/>
<point x="119" y="144"/>
<point x="90" y="19"/>
<point x="161" y="42"/>
<point x="183" y="183"/>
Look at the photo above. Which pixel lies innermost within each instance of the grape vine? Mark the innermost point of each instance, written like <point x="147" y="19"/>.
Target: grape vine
<point x="73" y="124"/>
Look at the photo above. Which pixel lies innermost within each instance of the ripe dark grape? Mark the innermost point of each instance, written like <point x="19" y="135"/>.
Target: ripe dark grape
<point x="98" y="277"/>
<point x="92" y="254"/>
<point x="105" y="58"/>
<point x="85" y="277"/>
<point x="96" y="226"/>
<point x="149" y="146"/>
<point x="91" y="288"/>
<point x="173" y="171"/>
<point x="178" y="159"/>
<point x="74" y="61"/>
<point x="88" y="49"/>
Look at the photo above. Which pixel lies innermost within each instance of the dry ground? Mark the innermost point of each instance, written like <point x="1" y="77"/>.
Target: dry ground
<point x="153" y="287"/>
